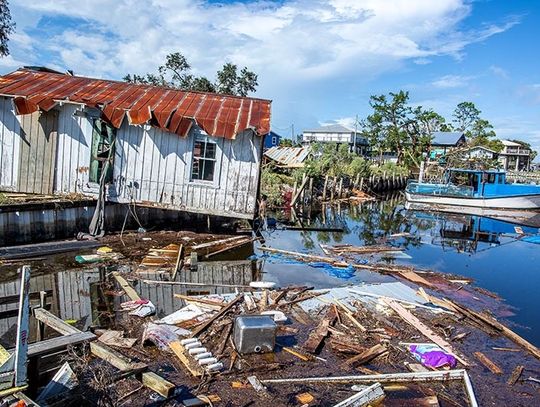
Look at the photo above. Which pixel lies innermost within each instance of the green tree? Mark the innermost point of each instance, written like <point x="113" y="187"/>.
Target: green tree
<point x="176" y="73"/>
<point x="6" y="27"/>
<point x="479" y="132"/>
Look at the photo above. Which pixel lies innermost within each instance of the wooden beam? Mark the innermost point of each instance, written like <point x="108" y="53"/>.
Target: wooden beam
<point x="115" y="358"/>
<point x="487" y="362"/>
<point x="54" y="322"/>
<point x="55" y="344"/>
<point x="128" y="289"/>
<point x="178" y="260"/>
<point x="158" y="384"/>
<point x="297" y="195"/>
<point x="216" y="242"/>
<point x="408" y="317"/>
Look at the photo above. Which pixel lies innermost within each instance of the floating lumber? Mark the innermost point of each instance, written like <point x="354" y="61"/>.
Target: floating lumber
<point x="408" y="317"/>
<point x="361" y="249"/>
<point x="128" y="289"/>
<point x="516" y="374"/>
<point x="494" y="324"/>
<point x="371" y="394"/>
<point x="217" y="242"/>
<point x="487" y="362"/>
<point x="121" y="362"/>
<point x="313" y="257"/>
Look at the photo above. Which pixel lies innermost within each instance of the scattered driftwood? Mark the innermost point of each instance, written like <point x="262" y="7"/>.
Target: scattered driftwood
<point x="366" y="356"/>
<point x="487" y="362"/>
<point x="492" y="323"/>
<point x="516" y="374"/>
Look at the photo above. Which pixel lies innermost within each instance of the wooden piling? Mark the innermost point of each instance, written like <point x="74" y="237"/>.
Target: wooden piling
<point x="324" y="187"/>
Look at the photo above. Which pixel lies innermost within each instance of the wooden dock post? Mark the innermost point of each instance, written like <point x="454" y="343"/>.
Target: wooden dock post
<point x="332" y="191"/>
<point x="324" y="187"/>
<point x="340" y="190"/>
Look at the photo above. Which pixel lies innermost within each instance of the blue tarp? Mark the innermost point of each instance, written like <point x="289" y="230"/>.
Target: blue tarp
<point x="344" y="273"/>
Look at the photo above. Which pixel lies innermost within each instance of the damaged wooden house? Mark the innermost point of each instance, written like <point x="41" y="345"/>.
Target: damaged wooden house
<point x="64" y="136"/>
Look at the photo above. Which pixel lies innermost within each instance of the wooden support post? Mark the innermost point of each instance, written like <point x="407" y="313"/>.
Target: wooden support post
<point x="356" y="180"/>
<point x="332" y="191"/>
<point x="40" y="326"/>
<point x="178" y="264"/>
<point x="361" y="188"/>
<point x="297" y="195"/>
<point x="311" y="190"/>
<point x="340" y="190"/>
<point x="324" y="187"/>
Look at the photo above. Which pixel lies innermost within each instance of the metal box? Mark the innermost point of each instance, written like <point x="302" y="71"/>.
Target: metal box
<point x="254" y="334"/>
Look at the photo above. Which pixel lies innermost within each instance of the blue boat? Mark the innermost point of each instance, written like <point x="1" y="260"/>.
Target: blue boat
<point x="475" y="188"/>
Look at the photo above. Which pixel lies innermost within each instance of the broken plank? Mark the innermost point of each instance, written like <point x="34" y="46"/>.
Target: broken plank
<point x="128" y="289"/>
<point x="258" y="386"/>
<point x="412" y="320"/>
<point x="158" y="384"/>
<point x="184" y="357"/>
<point x="317" y="336"/>
<point x="516" y="374"/>
<point x="235" y="245"/>
<point x="366" y="356"/>
<point x="115" y="358"/>
<point x="324" y="259"/>
<point x="487" y="362"/>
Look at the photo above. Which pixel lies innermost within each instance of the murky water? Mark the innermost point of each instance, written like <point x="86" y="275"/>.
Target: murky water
<point x="490" y="251"/>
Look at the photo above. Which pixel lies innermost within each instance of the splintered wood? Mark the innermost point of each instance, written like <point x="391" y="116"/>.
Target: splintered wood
<point x="488" y="363"/>
<point x="164" y="258"/>
<point x="317" y="336"/>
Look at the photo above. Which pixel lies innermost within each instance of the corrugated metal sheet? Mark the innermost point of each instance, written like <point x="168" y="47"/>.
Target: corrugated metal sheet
<point x="170" y="109"/>
<point x="291" y="157"/>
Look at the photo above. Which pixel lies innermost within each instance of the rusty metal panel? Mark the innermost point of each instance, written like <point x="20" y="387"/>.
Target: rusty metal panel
<point x="172" y="109"/>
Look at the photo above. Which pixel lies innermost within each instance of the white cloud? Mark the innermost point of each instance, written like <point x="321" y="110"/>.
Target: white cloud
<point x="298" y="40"/>
<point x="498" y="71"/>
<point x="451" y="81"/>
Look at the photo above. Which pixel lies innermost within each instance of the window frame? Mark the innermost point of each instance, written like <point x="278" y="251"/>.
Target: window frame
<point x="202" y="137"/>
<point x="113" y="135"/>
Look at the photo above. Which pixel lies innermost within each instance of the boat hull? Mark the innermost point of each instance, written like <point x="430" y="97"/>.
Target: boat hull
<point x="529" y="202"/>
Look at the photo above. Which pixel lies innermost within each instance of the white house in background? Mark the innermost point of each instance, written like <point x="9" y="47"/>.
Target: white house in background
<point x="478" y="152"/>
<point x="514" y="156"/>
<point x="336" y="133"/>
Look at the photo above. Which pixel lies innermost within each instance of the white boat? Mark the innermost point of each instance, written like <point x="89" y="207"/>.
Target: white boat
<point x="475" y="188"/>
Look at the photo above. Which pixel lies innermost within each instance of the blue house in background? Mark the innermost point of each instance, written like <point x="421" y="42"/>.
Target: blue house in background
<point x="271" y="140"/>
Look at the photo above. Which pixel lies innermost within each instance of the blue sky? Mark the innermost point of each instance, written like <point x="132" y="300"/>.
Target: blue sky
<point x="318" y="60"/>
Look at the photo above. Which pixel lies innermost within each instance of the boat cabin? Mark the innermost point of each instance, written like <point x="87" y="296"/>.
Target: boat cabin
<point x="475" y="180"/>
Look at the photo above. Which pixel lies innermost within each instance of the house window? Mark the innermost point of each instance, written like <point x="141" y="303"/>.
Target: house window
<point x="274" y="140"/>
<point x="204" y="160"/>
<point x="102" y="151"/>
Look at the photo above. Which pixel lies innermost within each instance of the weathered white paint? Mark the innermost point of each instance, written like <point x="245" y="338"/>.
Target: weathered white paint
<point x="151" y="166"/>
<point x="9" y="145"/>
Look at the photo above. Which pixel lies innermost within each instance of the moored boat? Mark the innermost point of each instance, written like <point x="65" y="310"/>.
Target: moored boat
<point x="475" y="188"/>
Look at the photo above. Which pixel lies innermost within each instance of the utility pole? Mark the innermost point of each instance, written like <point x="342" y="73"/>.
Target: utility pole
<point x="355" y="130"/>
<point x="292" y="134"/>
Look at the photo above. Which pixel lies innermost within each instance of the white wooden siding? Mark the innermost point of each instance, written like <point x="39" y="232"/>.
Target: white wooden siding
<point x="10" y="140"/>
<point x="151" y="166"/>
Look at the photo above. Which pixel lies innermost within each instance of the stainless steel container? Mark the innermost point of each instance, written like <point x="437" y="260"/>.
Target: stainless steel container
<point x="254" y="333"/>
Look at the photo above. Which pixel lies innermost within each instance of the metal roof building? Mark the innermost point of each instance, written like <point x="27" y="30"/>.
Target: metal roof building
<point x="190" y="151"/>
<point x="288" y="157"/>
<point x="448" y="139"/>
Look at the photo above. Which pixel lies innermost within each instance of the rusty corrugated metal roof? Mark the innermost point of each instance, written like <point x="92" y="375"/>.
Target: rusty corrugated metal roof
<point x="170" y="109"/>
<point x="290" y="157"/>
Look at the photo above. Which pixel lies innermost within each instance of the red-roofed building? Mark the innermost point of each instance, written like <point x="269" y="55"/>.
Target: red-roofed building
<point x="191" y="151"/>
